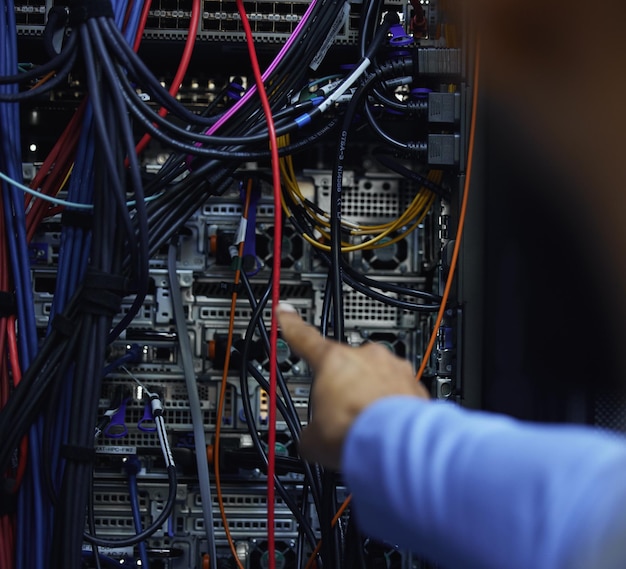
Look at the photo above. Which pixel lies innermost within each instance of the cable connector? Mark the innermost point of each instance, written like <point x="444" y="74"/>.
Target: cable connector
<point x="156" y="404"/>
<point x="444" y="107"/>
<point x="132" y="465"/>
<point x="444" y="149"/>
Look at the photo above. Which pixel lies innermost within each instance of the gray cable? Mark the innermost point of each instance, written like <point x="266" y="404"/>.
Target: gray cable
<point x="197" y="420"/>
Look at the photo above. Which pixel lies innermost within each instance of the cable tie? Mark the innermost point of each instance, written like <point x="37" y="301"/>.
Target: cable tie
<point x="100" y="280"/>
<point x="8" y="303"/>
<point x="157" y="406"/>
<point x="303" y="120"/>
<point x="63" y="325"/>
<point x="241" y="231"/>
<point x="76" y="218"/>
<point x="100" y="302"/>
<point x="77" y="453"/>
<point x="83" y="10"/>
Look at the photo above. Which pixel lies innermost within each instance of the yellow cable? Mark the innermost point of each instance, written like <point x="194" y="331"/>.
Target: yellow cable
<point x="321" y="224"/>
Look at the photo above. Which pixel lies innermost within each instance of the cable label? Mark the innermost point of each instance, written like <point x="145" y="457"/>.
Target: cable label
<point x="103" y="449"/>
<point x="339" y="22"/>
<point x="241" y="231"/>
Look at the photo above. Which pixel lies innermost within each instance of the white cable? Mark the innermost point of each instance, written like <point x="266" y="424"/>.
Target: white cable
<point x="336" y="95"/>
<point x="165" y="444"/>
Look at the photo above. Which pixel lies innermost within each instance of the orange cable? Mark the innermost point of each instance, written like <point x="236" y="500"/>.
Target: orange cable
<point x="462" y="215"/>
<point x="45" y="78"/>
<point x="335" y="519"/>
<point x="224" y="385"/>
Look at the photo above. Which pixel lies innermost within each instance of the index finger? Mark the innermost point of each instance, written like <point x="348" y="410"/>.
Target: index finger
<point x="303" y="338"/>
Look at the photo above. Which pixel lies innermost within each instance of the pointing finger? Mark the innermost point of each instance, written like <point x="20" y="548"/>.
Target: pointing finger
<point x="303" y="338"/>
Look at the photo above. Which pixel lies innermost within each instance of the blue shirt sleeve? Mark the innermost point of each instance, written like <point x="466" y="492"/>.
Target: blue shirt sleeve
<point x="470" y="489"/>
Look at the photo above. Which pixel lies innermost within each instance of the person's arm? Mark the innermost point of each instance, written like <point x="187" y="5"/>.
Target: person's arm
<point x="466" y="489"/>
<point x="469" y="489"/>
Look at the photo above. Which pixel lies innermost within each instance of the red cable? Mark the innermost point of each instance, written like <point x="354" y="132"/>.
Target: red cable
<point x="271" y="438"/>
<point x="6" y="542"/>
<point x="196" y="10"/>
<point x="17" y="377"/>
<point x="5" y="388"/>
<point x="129" y="8"/>
<point x="142" y="24"/>
<point x="14" y="358"/>
<point x="6" y="521"/>
<point x="60" y="146"/>
<point x="53" y="171"/>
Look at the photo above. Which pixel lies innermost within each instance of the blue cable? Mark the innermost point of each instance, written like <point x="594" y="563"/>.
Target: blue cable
<point x="31" y="540"/>
<point x="80" y="190"/>
<point x="13" y="200"/>
<point x="72" y="263"/>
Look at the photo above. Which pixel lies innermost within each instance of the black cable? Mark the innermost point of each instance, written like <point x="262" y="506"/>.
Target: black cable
<point x="384" y="136"/>
<point x="386" y="160"/>
<point x="51" y="83"/>
<point x="291" y="413"/>
<point x="108" y="246"/>
<point x="362" y="283"/>
<point x="150" y="530"/>
<point x="140" y="270"/>
<point x="146" y="114"/>
<point x="390" y="286"/>
<point x="389" y="102"/>
<point x="189" y="188"/>
<point x="102" y="130"/>
<point x="139" y="71"/>
<point x="258" y="445"/>
<point x="29" y="396"/>
<point x="330" y="539"/>
<point x="354" y="554"/>
<point x="368" y="23"/>
<point x="256" y="322"/>
<point x="44" y="68"/>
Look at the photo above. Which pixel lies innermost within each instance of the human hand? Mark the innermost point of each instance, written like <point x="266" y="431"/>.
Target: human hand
<point x="347" y="380"/>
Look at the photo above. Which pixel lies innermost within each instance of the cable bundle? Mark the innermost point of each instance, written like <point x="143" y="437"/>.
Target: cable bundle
<point x="115" y="218"/>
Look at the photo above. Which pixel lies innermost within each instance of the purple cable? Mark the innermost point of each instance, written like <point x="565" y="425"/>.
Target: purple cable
<point x="290" y="41"/>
